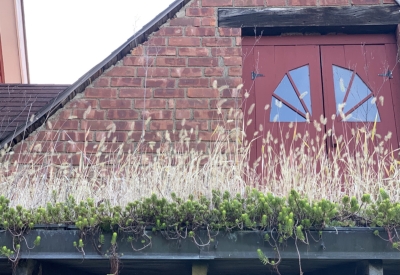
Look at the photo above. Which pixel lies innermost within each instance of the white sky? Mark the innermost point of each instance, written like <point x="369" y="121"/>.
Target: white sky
<point x="66" y="38"/>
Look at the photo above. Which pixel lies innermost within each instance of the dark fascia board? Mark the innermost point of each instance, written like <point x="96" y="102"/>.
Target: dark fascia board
<point x="79" y="86"/>
<point x="342" y="244"/>
<point x="387" y="15"/>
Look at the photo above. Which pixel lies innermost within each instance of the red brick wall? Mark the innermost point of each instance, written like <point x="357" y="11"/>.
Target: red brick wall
<point x="168" y="79"/>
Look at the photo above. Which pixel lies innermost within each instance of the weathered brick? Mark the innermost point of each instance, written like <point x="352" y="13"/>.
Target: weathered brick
<point x="186" y="72"/>
<point x="231" y="51"/>
<point x="126" y="82"/>
<point x="63" y="125"/>
<point x="206" y="114"/>
<point x="105" y="125"/>
<point x="75" y="136"/>
<point x="155" y="41"/>
<point x="195" y="3"/>
<point x="249" y="3"/>
<point x="101" y="93"/>
<point x="202" y="92"/>
<point x="185" y="21"/>
<point x="208" y="21"/>
<point x="201" y="12"/>
<point x="226" y="103"/>
<point x="217" y="3"/>
<point x="232" y="82"/>
<point x="102" y="82"/>
<point x="138" y="61"/>
<point x="192" y="124"/>
<point x="217" y="42"/>
<point x="200" y="31"/>
<point x="82" y="103"/>
<point x="210" y="136"/>
<point x="334" y="2"/>
<point x="108" y="137"/>
<point x="121" y="71"/>
<point x="170" y="31"/>
<point x="227" y="93"/>
<point x="42" y="136"/>
<point x="115" y="104"/>
<point x="194" y="51"/>
<point x="232" y="60"/>
<point x="152" y="72"/>
<point x="150" y="103"/>
<point x="305" y="2"/>
<point x="235" y="71"/>
<point x="160" y="83"/>
<point x="202" y="61"/>
<point x="214" y="71"/>
<point x="147" y="136"/>
<point x="122" y="114"/>
<point x="162" y="125"/>
<point x="181" y="114"/>
<point x="227" y="125"/>
<point x="160" y="51"/>
<point x="169" y="93"/>
<point x="365" y="2"/>
<point x="134" y="93"/>
<point x="184" y="41"/>
<point x="193" y="82"/>
<point x="157" y="114"/>
<point x="191" y="103"/>
<point x="139" y="50"/>
<point x="171" y="61"/>
<point x="230" y="31"/>
<point x="64" y="114"/>
<point x="93" y="114"/>
<point x="276" y="3"/>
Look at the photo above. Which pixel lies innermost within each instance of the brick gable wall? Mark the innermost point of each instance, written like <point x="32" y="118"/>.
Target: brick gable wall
<point x="166" y="84"/>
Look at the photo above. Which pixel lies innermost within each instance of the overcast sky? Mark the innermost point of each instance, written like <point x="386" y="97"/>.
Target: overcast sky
<point x="66" y="38"/>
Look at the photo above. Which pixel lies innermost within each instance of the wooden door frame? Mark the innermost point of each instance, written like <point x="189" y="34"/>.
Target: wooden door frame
<point x="2" y="74"/>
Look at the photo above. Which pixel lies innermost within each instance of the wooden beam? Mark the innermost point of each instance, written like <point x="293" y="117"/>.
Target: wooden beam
<point x="199" y="268"/>
<point x="28" y="267"/>
<point x="387" y="15"/>
<point x="371" y="267"/>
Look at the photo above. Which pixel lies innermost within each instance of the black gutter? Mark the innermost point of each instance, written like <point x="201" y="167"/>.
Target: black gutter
<point x="333" y="244"/>
<point x="79" y="86"/>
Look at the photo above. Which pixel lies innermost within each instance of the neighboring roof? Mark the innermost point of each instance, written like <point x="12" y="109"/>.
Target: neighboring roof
<point x="19" y="103"/>
<point x="79" y="86"/>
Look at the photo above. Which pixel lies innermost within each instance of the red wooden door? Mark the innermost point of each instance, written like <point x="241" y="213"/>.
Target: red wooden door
<point x="288" y="97"/>
<point x="356" y="78"/>
<point x="302" y="82"/>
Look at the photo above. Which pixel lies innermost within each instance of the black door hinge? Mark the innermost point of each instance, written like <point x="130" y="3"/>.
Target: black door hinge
<point x="254" y="75"/>
<point x="388" y="74"/>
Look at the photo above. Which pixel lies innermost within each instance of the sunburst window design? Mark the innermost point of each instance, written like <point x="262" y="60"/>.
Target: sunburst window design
<point x="354" y="100"/>
<point x="291" y="100"/>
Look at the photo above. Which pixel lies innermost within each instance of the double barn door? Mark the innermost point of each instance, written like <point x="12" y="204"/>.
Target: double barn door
<point x="346" y="84"/>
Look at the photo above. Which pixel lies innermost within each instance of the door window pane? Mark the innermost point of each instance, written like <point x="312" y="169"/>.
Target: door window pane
<point x="367" y="112"/>
<point x="301" y="78"/>
<point x="341" y="80"/>
<point x="287" y="104"/>
<point x="359" y="91"/>
<point x="286" y="92"/>
<point x="282" y="113"/>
